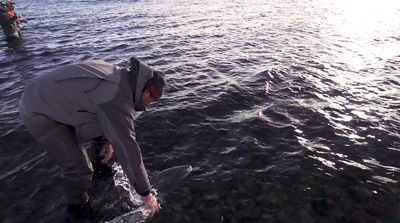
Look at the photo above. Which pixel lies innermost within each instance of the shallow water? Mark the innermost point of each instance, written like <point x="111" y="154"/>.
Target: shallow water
<point x="288" y="111"/>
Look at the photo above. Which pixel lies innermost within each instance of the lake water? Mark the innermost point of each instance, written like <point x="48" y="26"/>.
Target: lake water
<point x="287" y="110"/>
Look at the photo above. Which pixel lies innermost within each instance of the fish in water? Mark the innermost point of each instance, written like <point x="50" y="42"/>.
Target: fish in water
<point x="162" y="183"/>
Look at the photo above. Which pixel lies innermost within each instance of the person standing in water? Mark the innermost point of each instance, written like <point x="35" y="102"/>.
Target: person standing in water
<point x="92" y="100"/>
<point x="10" y="20"/>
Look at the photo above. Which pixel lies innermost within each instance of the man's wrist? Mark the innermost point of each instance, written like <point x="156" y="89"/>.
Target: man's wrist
<point x="144" y="194"/>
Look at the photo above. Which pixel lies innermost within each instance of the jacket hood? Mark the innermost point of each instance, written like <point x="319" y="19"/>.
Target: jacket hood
<point x="140" y="73"/>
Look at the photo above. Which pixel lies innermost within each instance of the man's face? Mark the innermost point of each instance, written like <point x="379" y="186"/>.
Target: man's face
<point x="146" y="98"/>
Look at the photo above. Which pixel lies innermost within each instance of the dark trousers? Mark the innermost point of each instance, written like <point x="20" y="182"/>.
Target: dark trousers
<point x="62" y="145"/>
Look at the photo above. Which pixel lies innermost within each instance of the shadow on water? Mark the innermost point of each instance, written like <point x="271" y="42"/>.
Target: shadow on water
<point x="44" y="201"/>
<point x="33" y="167"/>
<point x="13" y="44"/>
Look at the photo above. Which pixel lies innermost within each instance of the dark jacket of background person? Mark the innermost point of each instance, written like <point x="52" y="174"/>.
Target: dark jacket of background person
<point x="9" y="21"/>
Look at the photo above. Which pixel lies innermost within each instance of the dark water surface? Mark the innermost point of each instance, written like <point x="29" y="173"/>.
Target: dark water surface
<point x="288" y="111"/>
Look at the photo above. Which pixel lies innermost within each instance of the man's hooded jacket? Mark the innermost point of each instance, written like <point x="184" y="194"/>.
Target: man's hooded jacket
<point x="97" y="99"/>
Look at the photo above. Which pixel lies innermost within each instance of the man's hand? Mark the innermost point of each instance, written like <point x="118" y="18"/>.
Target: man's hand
<point x="106" y="152"/>
<point x="151" y="202"/>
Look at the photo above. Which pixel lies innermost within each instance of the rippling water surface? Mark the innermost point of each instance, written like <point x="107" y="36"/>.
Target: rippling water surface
<point x="287" y="110"/>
